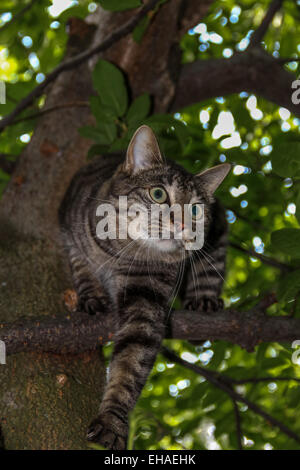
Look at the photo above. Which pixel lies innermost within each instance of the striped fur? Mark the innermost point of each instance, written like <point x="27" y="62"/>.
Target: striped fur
<point x="131" y="280"/>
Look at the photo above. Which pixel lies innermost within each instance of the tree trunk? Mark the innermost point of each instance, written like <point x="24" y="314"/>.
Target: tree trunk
<point x="47" y="400"/>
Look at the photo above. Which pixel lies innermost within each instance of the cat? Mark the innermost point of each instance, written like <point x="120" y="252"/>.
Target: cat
<point x="136" y="279"/>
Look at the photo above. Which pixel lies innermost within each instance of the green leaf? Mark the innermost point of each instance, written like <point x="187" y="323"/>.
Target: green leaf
<point x="109" y="130"/>
<point x="139" y="109"/>
<point x="119" y="145"/>
<point x="103" y="135"/>
<point x="100" y="111"/>
<point x="289" y="286"/>
<point x="294" y="397"/>
<point x="109" y="82"/>
<point x="160" y="122"/>
<point x="89" y="132"/>
<point x="285" y="159"/>
<point x="119" y="5"/>
<point x="140" y="29"/>
<point x="287" y="240"/>
<point x="272" y="363"/>
<point x="96" y="150"/>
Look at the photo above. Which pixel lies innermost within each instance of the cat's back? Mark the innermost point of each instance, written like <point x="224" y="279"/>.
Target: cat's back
<point x="84" y="187"/>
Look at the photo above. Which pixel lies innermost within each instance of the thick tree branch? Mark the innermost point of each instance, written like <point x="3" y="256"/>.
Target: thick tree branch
<point x="260" y="32"/>
<point x="76" y="61"/>
<point x="79" y="332"/>
<point x="253" y="71"/>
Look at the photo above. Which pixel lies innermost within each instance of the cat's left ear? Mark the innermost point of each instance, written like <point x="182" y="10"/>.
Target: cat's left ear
<point x="143" y="151"/>
<point x="211" y="178"/>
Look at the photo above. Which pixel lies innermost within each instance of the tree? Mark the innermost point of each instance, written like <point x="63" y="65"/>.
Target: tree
<point x="215" y="80"/>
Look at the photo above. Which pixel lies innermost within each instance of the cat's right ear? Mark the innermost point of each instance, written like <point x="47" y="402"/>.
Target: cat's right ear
<point x="143" y="151"/>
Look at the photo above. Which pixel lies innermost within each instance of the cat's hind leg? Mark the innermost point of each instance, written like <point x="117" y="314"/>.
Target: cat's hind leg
<point x="92" y="298"/>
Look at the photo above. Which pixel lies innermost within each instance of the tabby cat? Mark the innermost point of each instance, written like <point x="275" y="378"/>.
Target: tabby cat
<point x="135" y="280"/>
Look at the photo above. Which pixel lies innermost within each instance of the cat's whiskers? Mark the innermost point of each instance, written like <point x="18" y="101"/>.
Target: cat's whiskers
<point x="116" y="256"/>
<point x="128" y="272"/>
<point x="194" y="275"/>
<point x="203" y="266"/>
<point x="212" y="265"/>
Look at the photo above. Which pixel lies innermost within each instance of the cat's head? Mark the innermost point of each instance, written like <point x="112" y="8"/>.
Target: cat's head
<point x="150" y="182"/>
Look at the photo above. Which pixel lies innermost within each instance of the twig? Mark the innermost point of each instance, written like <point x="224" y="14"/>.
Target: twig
<point x="254" y="223"/>
<point x="232" y="393"/>
<point x="260" y="32"/>
<point x="76" y="61"/>
<point x="265" y="259"/>
<point x="285" y="60"/>
<point x="17" y="15"/>
<point x="256" y="380"/>
<point x="79" y="104"/>
<point x="239" y="433"/>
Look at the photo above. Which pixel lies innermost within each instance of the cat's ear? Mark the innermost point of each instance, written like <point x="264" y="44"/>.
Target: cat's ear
<point x="143" y="151"/>
<point x="211" y="178"/>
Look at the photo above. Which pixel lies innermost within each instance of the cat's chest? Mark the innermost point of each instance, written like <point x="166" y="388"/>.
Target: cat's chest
<point x="137" y="278"/>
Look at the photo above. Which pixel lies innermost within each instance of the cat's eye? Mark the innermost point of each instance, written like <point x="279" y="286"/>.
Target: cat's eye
<point x="196" y="211"/>
<point x="158" y="195"/>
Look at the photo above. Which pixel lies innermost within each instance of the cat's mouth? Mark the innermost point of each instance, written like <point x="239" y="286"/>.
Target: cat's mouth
<point x="168" y="245"/>
<point x="174" y="245"/>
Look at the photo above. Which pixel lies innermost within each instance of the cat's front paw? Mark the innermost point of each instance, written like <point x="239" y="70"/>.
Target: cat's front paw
<point x="108" y="431"/>
<point x="92" y="305"/>
<point x="205" y="304"/>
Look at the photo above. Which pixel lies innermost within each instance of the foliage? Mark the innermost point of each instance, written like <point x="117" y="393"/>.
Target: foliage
<point x="179" y="409"/>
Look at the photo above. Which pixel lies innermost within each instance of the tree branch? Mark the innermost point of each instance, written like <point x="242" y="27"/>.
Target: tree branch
<point x="253" y="70"/>
<point x="42" y="112"/>
<point x="239" y="432"/>
<point x="80" y="332"/>
<point x="265" y="259"/>
<point x="256" y="223"/>
<point x="76" y="61"/>
<point x="257" y="380"/>
<point x="286" y="60"/>
<point x="260" y="32"/>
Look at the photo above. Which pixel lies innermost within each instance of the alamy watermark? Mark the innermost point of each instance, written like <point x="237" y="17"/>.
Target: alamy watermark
<point x="157" y="222"/>
<point x="2" y="352"/>
<point x="296" y="93"/>
<point x="2" y="92"/>
<point x="296" y="354"/>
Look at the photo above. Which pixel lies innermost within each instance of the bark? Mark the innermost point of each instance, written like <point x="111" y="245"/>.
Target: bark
<point x="81" y="332"/>
<point x="47" y="400"/>
<point x="253" y="71"/>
